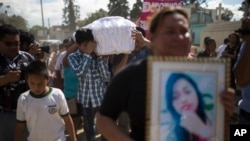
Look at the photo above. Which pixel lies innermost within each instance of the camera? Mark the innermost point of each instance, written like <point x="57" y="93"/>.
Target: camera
<point x="22" y="67"/>
<point x="45" y="48"/>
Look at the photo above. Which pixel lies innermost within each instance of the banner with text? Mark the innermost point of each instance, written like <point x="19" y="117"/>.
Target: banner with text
<point x="151" y="6"/>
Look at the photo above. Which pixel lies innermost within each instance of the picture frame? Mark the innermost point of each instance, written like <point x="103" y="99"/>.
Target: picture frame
<point x="183" y="100"/>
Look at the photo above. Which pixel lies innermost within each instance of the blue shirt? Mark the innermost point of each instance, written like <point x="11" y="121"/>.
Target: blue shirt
<point x="135" y="56"/>
<point x="245" y="91"/>
<point x="70" y="82"/>
<point x="92" y="77"/>
<point x="139" y="55"/>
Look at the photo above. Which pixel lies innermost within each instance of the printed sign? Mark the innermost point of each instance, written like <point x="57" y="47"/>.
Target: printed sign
<point x="151" y="6"/>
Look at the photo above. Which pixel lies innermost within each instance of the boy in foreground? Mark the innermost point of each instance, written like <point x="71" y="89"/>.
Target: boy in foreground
<point x="42" y="109"/>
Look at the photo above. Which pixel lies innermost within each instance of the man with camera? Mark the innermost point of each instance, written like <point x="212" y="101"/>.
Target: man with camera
<point x="12" y="81"/>
<point x="28" y="44"/>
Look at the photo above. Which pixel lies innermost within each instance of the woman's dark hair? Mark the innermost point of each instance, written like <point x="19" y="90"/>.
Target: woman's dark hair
<point x="237" y="37"/>
<point x="84" y="35"/>
<point x="208" y="41"/>
<point x="226" y="41"/>
<point x="182" y="133"/>
<point x="37" y="67"/>
<point x="157" y="19"/>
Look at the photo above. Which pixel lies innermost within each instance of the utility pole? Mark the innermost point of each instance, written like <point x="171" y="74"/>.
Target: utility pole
<point x="48" y="29"/>
<point x="42" y="19"/>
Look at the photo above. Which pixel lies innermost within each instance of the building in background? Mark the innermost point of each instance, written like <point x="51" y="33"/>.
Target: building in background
<point x="200" y="18"/>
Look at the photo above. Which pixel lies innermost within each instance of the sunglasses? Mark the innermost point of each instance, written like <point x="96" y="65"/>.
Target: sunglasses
<point x="10" y="44"/>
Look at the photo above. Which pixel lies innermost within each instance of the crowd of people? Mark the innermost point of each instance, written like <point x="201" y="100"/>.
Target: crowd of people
<point x="109" y="91"/>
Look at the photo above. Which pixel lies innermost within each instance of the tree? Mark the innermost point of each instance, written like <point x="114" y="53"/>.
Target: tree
<point x="245" y="7"/>
<point x="227" y="15"/>
<point x="71" y="14"/>
<point x="35" y="29"/>
<point x="136" y="10"/>
<point x="18" y="21"/>
<point x="92" y="17"/>
<point x="118" y="8"/>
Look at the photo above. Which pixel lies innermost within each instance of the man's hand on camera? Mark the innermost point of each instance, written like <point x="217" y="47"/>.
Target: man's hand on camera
<point x="34" y="49"/>
<point x="13" y="76"/>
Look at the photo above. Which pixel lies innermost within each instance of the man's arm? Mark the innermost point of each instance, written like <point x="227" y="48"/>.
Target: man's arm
<point x="137" y="35"/>
<point x="70" y="127"/>
<point x="58" y="80"/>
<point x="71" y="49"/>
<point x="109" y="129"/>
<point x="19" y="131"/>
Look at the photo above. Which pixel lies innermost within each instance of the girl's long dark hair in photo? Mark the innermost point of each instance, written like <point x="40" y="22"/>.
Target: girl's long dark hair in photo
<point x="181" y="133"/>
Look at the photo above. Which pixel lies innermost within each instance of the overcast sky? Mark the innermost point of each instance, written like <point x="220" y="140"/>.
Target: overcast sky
<point x="52" y="9"/>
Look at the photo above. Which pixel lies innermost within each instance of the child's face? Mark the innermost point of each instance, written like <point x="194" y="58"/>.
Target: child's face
<point x="37" y="83"/>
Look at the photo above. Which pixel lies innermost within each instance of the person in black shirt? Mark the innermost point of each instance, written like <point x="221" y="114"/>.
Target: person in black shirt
<point x="231" y="52"/>
<point x="169" y="35"/>
<point x="210" y="46"/>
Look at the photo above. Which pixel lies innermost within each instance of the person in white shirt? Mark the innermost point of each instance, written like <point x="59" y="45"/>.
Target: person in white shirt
<point x="222" y="47"/>
<point x="42" y="109"/>
<point x="59" y="76"/>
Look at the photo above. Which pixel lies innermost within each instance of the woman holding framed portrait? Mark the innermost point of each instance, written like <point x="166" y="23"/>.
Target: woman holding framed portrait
<point x="169" y="36"/>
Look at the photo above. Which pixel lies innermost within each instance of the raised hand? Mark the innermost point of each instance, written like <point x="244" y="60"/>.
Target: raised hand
<point x="227" y="100"/>
<point x="193" y="124"/>
<point x="34" y="49"/>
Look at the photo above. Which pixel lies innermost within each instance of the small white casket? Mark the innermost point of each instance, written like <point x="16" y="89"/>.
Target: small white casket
<point x="113" y="35"/>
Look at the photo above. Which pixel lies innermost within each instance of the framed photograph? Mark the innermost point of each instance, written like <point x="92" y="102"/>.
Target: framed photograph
<point x="183" y="101"/>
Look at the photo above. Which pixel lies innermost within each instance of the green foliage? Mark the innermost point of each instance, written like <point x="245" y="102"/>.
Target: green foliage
<point x="245" y="7"/>
<point x="242" y="7"/>
<point x="18" y="21"/>
<point x="71" y="14"/>
<point x="34" y="29"/>
<point x="227" y="15"/>
<point x="118" y="8"/>
<point x="37" y="27"/>
<point x="136" y="11"/>
<point x="92" y="17"/>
